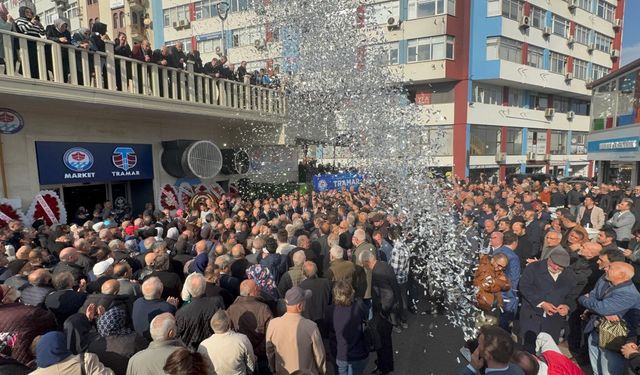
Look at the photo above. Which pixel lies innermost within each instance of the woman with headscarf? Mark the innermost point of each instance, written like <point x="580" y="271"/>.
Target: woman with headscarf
<point x="53" y="358"/>
<point x="262" y="276"/>
<point x="117" y="343"/>
<point x="59" y="33"/>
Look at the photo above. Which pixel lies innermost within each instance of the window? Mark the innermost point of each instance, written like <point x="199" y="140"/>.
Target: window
<point x="535" y="57"/>
<point x="383" y="54"/>
<point x="426" y="8"/>
<point x="539" y="101"/>
<point x="392" y="52"/>
<point x="209" y="46"/>
<point x="434" y="48"/>
<point x="72" y="12"/>
<point x="602" y="42"/>
<point x="378" y="14"/>
<point x="580" y="69"/>
<point x="560" y="26"/>
<point x="605" y="10"/>
<point x="514" y="141"/>
<point x="175" y="14"/>
<point x="247" y="36"/>
<point x="582" y="35"/>
<point x="516" y="98"/>
<point x="115" y="21"/>
<point x="537" y="17"/>
<point x="580" y="107"/>
<point x="484" y="140"/>
<point x="512" y="9"/>
<point x="585" y="4"/>
<point x="561" y="104"/>
<point x="240" y="5"/>
<point x="578" y="143"/>
<point x="487" y="94"/>
<point x="121" y="17"/>
<point x="50" y="15"/>
<point x="599" y="72"/>
<point x="510" y="50"/>
<point x="558" y="63"/>
<point x="91" y="2"/>
<point x="558" y="142"/>
<point x="205" y="9"/>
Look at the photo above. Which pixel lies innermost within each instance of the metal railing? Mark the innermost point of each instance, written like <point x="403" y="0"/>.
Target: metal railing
<point x="27" y="57"/>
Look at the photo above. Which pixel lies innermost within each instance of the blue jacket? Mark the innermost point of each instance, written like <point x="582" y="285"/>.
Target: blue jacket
<point x="606" y="299"/>
<point x="512" y="271"/>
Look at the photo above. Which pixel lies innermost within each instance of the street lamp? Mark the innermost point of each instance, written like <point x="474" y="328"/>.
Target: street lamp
<point x="223" y="11"/>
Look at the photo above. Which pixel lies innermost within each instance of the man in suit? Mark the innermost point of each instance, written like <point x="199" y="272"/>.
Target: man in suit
<point x="548" y="291"/>
<point x="494" y="351"/>
<point x="622" y="222"/>
<point x="65" y="301"/>
<point x="590" y="215"/>
<point x="513" y="271"/>
<point x="385" y="294"/>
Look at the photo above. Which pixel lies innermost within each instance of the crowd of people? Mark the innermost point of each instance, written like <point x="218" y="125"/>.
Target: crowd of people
<point x="94" y="40"/>
<point x="230" y="287"/>
<point x="559" y="263"/>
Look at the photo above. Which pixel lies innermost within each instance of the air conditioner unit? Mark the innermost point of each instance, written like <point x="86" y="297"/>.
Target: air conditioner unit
<point x="615" y="53"/>
<point x="571" y="40"/>
<point x="184" y="23"/>
<point x="591" y="47"/>
<point x="617" y="23"/>
<point x="549" y="112"/>
<point x="501" y="157"/>
<point x="531" y="156"/>
<point x="259" y="44"/>
<point x="568" y="76"/>
<point x="393" y="23"/>
<point x="572" y="4"/>
<point x="525" y="22"/>
<point x="570" y="115"/>
<point x="176" y="25"/>
<point x="547" y="31"/>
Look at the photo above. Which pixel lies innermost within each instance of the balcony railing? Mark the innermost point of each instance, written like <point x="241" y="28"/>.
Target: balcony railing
<point x="29" y="58"/>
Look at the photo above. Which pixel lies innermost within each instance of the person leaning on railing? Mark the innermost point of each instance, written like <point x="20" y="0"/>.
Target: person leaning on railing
<point x="6" y="23"/>
<point x="29" y="25"/>
<point x="59" y="33"/>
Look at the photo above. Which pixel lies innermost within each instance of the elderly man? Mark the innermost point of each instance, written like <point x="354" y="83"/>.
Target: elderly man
<point x="622" y="222"/>
<point x="240" y="263"/>
<point x="551" y="241"/>
<point x="228" y="352"/>
<point x="122" y="273"/>
<point x="65" y="301"/>
<point x="295" y="275"/>
<point x="548" y="289"/>
<point x="103" y="271"/>
<point x="39" y="287"/>
<point x="320" y="288"/>
<point x="151" y="305"/>
<point x="294" y="344"/>
<point x="68" y="259"/>
<point x="193" y="318"/>
<point x="614" y="297"/>
<point x="340" y="269"/>
<point x="250" y="316"/>
<point x="151" y="360"/>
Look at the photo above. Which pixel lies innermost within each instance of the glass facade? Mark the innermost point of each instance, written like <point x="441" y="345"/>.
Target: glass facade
<point x="617" y="102"/>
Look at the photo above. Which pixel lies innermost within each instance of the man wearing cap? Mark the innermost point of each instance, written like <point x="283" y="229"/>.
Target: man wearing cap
<point x="103" y="272"/>
<point x="294" y="344"/>
<point x="548" y="290"/>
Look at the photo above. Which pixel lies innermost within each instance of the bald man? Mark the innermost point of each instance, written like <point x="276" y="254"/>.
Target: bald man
<point x="615" y="298"/>
<point x="250" y="316"/>
<point x="39" y="287"/>
<point x="68" y="263"/>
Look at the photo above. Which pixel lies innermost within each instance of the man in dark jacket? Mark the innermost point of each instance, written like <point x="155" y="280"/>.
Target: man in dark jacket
<point x="276" y="263"/>
<point x="149" y="306"/>
<point x="65" y="301"/>
<point x="193" y="318"/>
<point x="316" y="306"/>
<point x="250" y="316"/>
<point x="385" y="294"/>
<point x="548" y="294"/>
<point x="177" y="58"/>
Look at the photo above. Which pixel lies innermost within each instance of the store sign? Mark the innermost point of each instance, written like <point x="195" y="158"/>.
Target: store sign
<point x="325" y="182"/>
<point x="209" y="36"/>
<point x="66" y="163"/>
<point x="614" y="145"/>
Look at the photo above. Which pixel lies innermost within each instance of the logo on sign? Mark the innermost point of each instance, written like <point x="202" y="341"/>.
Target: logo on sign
<point x="322" y="184"/>
<point x="78" y="159"/>
<point x="10" y="121"/>
<point x="124" y="158"/>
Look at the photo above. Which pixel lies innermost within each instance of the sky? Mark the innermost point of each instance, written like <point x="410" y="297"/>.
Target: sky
<point x="631" y="32"/>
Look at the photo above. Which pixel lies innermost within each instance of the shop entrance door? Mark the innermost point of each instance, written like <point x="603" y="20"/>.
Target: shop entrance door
<point x="86" y="196"/>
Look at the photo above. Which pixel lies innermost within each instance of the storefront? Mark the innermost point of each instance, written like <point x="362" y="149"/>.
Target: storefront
<point x="85" y="174"/>
<point x="617" y="155"/>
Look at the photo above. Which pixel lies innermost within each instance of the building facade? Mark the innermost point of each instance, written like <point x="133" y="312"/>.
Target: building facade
<point x="503" y="83"/>
<point x="614" y="140"/>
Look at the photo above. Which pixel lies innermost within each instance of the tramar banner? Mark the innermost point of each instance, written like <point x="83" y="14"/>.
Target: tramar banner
<point x="325" y="182"/>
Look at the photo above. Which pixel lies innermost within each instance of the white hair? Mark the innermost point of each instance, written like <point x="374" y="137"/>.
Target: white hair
<point x="220" y="322"/>
<point x="161" y="325"/>
<point x="299" y="258"/>
<point x="152" y="288"/>
<point x="336" y="252"/>
<point x="194" y="287"/>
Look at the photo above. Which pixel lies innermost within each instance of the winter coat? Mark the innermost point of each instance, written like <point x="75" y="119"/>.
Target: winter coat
<point x="490" y="284"/>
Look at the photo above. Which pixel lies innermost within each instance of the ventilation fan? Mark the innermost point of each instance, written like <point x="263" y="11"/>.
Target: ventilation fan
<point x="203" y="159"/>
<point x="235" y="161"/>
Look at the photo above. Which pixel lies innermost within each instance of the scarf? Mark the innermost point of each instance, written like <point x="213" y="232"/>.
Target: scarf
<point x="262" y="276"/>
<point x="58" y="23"/>
<point x="51" y="349"/>
<point x="113" y="323"/>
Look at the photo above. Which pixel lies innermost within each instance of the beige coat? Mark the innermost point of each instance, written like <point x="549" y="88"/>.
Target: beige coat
<point x="597" y="217"/>
<point x="71" y="366"/>
<point x="294" y="344"/>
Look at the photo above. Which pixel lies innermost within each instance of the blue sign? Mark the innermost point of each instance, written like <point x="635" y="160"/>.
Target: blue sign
<point x="325" y="182"/>
<point x="626" y="144"/>
<point x="209" y="36"/>
<point x="66" y="163"/>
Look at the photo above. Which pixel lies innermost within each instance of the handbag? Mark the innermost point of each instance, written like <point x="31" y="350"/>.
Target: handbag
<point x="371" y="335"/>
<point x="612" y="335"/>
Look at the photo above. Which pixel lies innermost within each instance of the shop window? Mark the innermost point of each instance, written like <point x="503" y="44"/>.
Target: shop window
<point x="484" y="140"/>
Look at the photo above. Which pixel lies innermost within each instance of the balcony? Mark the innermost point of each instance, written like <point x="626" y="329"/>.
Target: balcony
<point x="41" y="68"/>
